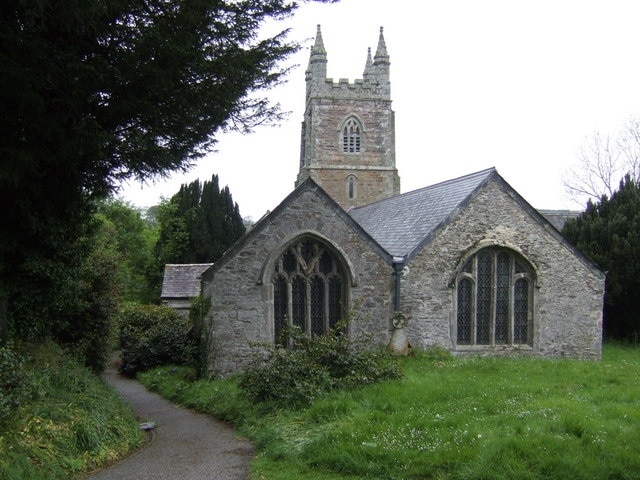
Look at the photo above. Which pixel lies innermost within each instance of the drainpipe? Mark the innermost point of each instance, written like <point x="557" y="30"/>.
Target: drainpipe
<point x="398" y="265"/>
<point x="399" y="342"/>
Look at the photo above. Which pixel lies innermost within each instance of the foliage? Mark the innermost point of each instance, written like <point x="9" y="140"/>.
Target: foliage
<point x="14" y="382"/>
<point x="134" y="238"/>
<point x="608" y="232"/>
<point x="310" y="367"/>
<point x="104" y="91"/>
<point x="197" y="225"/>
<point x="71" y="423"/>
<point x="90" y="332"/>
<point x="449" y="418"/>
<point x="152" y="335"/>
<point x="83" y="295"/>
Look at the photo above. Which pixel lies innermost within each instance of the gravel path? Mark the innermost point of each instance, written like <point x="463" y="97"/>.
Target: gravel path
<point x="184" y="445"/>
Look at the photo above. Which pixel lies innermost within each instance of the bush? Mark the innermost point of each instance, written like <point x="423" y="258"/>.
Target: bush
<point x="152" y="335"/>
<point x="14" y="382"/>
<point x="310" y="367"/>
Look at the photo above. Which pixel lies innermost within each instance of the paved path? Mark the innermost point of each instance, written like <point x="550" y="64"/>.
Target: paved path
<point x="183" y="446"/>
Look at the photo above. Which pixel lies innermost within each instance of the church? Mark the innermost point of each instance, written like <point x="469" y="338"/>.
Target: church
<point x="466" y="265"/>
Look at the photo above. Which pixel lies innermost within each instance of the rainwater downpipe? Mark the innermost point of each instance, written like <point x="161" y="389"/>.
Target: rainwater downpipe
<point x="398" y="266"/>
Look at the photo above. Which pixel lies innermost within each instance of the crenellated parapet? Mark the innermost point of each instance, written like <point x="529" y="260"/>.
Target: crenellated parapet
<point x="348" y="131"/>
<point x="374" y="83"/>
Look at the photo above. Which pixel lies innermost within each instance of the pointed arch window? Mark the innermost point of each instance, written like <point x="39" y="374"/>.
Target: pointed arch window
<point x="309" y="289"/>
<point x="351" y="136"/>
<point x="494" y="300"/>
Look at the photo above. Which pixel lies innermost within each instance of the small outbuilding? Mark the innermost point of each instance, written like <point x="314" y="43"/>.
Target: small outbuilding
<point x="181" y="283"/>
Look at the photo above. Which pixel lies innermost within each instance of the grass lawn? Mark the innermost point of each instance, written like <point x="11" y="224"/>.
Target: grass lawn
<point x="448" y="418"/>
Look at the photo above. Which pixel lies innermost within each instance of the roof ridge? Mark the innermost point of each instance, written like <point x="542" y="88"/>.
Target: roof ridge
<point x="486" y="171"/>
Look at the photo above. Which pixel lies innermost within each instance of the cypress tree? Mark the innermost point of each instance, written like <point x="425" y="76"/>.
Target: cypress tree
<point x="608" y="232"/>
<point x="198" y="224"/>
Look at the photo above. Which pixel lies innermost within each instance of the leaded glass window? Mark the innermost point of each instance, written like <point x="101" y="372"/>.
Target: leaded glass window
<point x="351" y="136"/>
<point x="351" y="187"/>
<point x="494" y="299"/>
<point x="465" y="311"/>
<point x="308" y="289"/>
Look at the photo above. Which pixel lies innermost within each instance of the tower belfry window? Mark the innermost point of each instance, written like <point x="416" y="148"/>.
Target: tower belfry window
<point x="351" y="136"/>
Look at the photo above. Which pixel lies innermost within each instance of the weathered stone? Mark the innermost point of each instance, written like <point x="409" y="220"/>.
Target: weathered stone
<point x="428" y="235"/>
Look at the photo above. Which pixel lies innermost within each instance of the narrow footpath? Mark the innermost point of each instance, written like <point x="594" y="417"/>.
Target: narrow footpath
<point x="184" y="445"/>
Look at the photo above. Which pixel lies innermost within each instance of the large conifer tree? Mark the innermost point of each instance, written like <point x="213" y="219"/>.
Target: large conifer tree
<point x="608" y="232"/>
<point x="197" y="225"/>
<point x="96" y="91"/>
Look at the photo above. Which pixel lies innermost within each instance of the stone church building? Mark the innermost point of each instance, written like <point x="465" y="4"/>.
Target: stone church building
<point x="468" y="262"/>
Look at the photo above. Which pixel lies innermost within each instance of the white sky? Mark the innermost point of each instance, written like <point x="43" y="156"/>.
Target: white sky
<point x="512" y="84"/>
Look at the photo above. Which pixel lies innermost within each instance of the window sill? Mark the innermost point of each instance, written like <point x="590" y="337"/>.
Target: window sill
<point x="493" y="348"/>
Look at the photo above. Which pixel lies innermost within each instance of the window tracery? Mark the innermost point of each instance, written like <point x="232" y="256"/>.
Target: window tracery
<point x="351" y="136"/>
<point x="308" y="289"/>
<point x="494" y="294"/>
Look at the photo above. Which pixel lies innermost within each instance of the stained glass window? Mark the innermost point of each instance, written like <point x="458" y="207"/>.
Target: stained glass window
<point x="503" y="276"/>
<point x="484" y="298"/>
<point x="464" y="311"/>
<point x="279" y="307"/>
<point x="298" y="301"/>
<point x="494" y="299"/>
<point x="308" y="289"/>
<point x="521" y="311"/>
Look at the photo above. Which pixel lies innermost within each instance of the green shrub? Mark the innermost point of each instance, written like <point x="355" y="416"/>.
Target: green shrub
<point x="70" y="424"/>
<point x="152" y="335"/>
<point x="14" y="382"/>
<point x="310" y="367"/>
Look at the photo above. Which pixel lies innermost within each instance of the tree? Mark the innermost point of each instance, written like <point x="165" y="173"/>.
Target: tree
<point x="608" y="232"/>
<point x="197" y="225"/>
<point x="135" y="239"/>
<point x="98" y="91"/>
<point x="603" y="161"/>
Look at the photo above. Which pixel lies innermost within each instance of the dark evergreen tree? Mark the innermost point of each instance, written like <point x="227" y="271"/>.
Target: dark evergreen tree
<point x="608" y="232"/>
<point x="93" y="92"/>
<point x="197" y="225"/>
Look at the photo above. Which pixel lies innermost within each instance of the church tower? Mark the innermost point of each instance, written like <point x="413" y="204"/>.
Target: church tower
<point x="348" y="136"/>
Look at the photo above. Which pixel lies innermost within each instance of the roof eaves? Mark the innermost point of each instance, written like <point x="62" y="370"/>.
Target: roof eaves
<point x="542" y="220"/>
<point x="308" y="184"/>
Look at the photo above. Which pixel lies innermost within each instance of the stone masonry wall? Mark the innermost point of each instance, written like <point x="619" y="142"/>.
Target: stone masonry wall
<point x="325" y="162"/>
<point x="568" y="293"/>
<point x="242" y="303"/>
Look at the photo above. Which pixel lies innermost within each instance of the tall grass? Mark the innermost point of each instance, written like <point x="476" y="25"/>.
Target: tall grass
<point x="70" y="424"/>
<point x="455" y="418"/>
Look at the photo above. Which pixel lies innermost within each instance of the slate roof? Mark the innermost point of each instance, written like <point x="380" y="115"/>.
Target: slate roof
<point x="182" y="280"/>
<point x="558" y="218"/>
<point x="402" y="224"/>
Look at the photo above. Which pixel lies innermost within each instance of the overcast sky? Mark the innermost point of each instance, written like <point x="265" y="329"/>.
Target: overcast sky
<point x="512" y="84"/>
